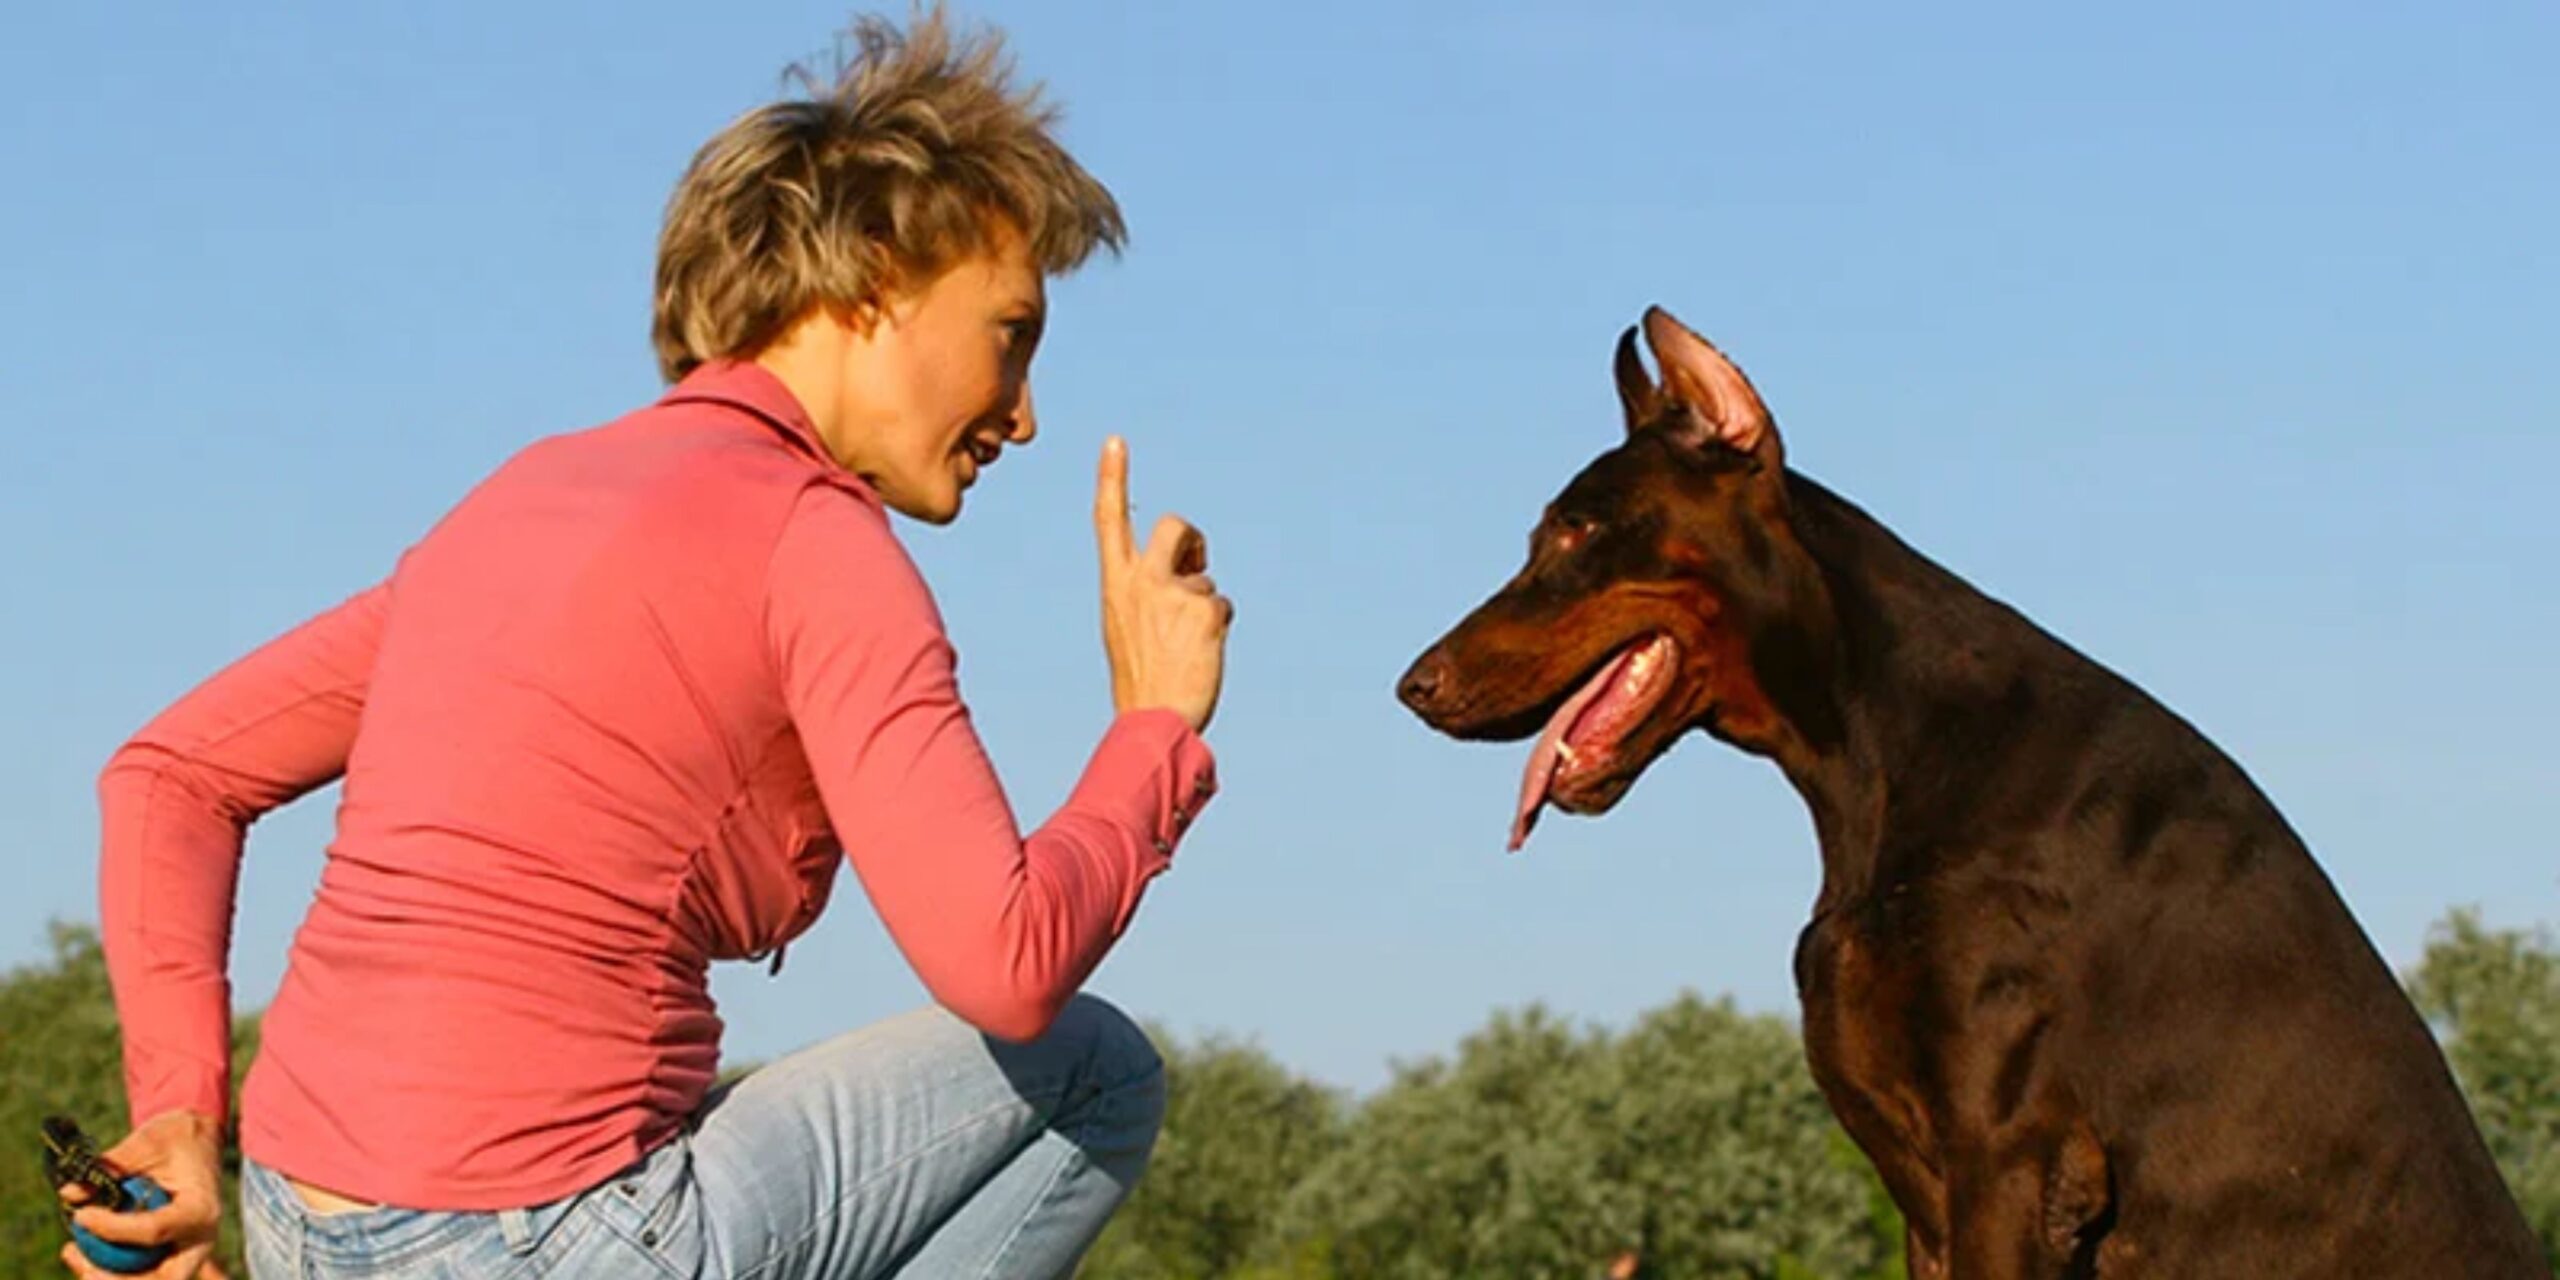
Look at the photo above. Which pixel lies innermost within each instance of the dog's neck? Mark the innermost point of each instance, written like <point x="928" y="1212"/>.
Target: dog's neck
<point x="1912" y="681"/>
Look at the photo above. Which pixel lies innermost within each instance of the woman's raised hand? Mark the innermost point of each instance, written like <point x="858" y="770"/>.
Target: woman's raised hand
<point x="1164" y="625"/>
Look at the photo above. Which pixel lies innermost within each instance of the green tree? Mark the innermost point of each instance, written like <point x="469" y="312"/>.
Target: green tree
<point x="2494" y="995"/>
<point x="1696" y="1140"/>
<point x="60" y="1055"/>
<point x="1239" y="1133"/>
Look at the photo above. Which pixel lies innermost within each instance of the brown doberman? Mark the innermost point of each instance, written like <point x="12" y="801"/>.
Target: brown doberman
<point x="2072" y="982"/>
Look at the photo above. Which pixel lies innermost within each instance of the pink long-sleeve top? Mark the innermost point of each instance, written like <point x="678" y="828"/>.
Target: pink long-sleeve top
<point x="615" y="717"/>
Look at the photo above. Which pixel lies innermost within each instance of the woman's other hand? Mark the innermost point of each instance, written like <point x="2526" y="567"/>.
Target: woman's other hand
<point x="182" y="1151"/>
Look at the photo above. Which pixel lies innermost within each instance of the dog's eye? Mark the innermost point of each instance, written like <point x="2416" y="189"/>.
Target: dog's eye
<point x="1569" y="533"/>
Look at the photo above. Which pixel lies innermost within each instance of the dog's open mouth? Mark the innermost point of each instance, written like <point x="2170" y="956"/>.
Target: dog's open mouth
<point x="1581" y="741"/>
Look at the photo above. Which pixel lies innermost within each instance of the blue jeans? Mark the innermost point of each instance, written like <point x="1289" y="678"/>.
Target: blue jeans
<point x="915" y="1147"/>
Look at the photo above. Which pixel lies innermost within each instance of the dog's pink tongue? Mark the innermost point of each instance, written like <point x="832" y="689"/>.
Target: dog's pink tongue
<point x="1543" y="758"/>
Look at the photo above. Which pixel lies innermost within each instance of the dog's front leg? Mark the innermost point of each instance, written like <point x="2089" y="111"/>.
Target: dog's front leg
<point x="2033" y="1208"/>
<point x="1923" y="1257"/>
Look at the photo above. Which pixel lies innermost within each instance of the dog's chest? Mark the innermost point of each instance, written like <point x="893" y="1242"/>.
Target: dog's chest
<point x="1864" y="1008"/>
<point x="1918" y="1004"/>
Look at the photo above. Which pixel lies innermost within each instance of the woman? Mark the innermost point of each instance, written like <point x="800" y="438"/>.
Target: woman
<point x="619" y="714"/>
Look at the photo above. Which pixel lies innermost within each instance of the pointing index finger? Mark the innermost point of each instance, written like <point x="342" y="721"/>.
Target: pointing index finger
<point x="1111" y="507"/>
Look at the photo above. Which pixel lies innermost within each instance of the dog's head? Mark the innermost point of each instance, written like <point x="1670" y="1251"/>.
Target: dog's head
<point x="1659" y="585"/>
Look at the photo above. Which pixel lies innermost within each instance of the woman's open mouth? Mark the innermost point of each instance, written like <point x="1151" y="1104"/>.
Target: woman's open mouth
<point x="1582" y="742"/>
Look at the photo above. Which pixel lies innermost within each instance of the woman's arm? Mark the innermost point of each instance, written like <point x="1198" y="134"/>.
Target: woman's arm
<point x="175" y="807"/>
<point x="1002" y="930"/>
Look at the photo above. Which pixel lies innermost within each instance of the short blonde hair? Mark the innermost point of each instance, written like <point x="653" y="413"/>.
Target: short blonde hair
<point x="918" y="154"/>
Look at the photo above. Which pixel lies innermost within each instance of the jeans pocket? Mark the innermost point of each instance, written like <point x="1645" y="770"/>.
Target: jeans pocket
<point x="644" y="1221"/>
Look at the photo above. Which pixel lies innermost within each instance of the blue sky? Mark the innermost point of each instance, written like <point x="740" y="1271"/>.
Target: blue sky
<point x="2213" y="337"/>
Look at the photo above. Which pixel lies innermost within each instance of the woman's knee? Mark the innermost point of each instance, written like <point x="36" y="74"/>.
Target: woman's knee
<point x="1117" y="1045"/>
<point x="1120" y="1057"/>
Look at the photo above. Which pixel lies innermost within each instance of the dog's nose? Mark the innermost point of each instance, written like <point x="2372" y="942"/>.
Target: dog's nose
<point x="1422" y="683"/>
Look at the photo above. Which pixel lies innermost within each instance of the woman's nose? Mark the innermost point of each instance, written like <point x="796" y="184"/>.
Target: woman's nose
<point x="1025" y="423"/>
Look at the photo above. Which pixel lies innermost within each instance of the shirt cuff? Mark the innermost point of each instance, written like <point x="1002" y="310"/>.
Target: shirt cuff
<point x="1151" y="774"/>
<point x="153" y="1090"/>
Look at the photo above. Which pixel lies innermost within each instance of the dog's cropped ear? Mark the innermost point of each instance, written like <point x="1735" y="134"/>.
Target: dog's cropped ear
<point x="1636" y="392"/>
<point x="1723" y="409"/>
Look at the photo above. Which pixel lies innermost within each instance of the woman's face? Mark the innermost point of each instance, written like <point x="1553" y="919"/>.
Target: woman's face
<point x="937" y="381"/>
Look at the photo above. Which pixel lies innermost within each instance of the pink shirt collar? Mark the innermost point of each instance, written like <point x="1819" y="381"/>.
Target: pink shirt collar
<point x="752" y="387"/>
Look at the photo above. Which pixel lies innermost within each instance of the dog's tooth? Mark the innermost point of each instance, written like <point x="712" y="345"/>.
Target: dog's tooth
<point x="1564" y="752"/>
<point x="1640" y="667"/>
